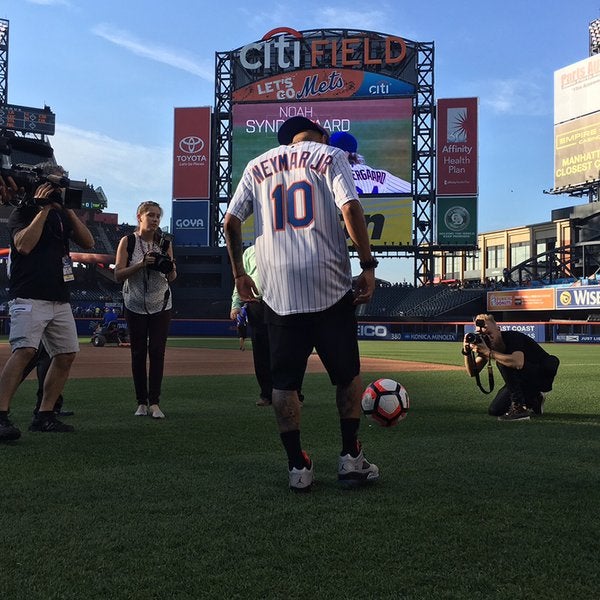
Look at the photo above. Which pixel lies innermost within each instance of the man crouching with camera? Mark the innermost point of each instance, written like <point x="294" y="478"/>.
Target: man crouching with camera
<point x="526" y="368"/>
<point x="40" y="271"/>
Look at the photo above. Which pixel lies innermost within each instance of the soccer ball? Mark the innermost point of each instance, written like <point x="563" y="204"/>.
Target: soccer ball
<point x="386" y="402"/>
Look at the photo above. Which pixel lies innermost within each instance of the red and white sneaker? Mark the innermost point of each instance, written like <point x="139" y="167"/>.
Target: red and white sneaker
<point x="355" y="471"/>
<point x="301" y="480"/>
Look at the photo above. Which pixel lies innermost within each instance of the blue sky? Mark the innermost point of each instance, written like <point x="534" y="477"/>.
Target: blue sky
<point x="113" y="72"/>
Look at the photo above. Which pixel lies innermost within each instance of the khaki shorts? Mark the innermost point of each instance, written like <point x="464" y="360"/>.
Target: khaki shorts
<point x="32" y="321"/>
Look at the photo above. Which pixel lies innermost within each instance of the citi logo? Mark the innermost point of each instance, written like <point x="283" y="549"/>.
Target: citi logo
<point x="191" y="144"/>
<point x="189" y="223"/>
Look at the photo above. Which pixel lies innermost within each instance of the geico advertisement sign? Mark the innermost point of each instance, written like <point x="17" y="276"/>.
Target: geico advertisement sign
<point x="372" y="331"/>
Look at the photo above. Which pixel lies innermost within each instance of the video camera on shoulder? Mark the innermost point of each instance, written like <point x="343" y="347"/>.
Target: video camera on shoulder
<point x="28" y="178"/>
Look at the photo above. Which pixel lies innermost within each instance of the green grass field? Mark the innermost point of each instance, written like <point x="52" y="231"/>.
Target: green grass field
<point x="197" y="506"/>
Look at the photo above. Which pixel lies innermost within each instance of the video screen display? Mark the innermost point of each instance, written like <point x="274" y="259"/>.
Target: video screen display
<point x="380" y="129"/>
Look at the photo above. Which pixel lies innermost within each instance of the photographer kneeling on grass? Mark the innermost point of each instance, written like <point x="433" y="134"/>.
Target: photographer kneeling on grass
<point x="526" y="368"/>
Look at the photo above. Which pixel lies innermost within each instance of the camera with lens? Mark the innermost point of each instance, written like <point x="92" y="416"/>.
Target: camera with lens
<point x="162" y="261"/>
<point x="29" y="177"/>
<point x="474" y="338"/>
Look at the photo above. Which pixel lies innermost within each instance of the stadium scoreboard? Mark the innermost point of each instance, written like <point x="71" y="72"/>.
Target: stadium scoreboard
<point x="27" y="120"/>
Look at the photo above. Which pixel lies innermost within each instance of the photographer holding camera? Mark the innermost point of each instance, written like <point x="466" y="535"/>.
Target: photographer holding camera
<point x="526" y="368"/>
<point x="145" y="264"/>
<point x="40" y="271"/>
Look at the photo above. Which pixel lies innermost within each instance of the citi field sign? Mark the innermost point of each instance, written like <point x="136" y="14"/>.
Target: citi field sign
<point x="290" y="65"/>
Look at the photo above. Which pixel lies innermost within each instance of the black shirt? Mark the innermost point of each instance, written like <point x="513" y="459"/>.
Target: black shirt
<point x="39" y="274"/>
<point x="515" y="340"/>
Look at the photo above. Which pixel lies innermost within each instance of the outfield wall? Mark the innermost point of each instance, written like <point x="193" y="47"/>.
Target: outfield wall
<point x="571" y="332"/>
<point x="549" y="331"/>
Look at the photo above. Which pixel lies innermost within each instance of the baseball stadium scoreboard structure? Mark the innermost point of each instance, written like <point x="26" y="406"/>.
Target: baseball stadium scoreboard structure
<point x="374" y="86"/>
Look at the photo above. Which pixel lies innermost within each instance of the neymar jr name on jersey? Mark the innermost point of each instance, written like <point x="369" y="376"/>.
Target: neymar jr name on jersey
<point x="288" y="161"/>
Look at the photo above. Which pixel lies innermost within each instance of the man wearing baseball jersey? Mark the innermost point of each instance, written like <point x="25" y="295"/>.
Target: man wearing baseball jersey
<point x="368" y="180"/>
<point x="296" y="192"/>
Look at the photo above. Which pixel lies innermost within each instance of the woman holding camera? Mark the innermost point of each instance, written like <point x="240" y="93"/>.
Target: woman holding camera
<point x="145" y="265"/>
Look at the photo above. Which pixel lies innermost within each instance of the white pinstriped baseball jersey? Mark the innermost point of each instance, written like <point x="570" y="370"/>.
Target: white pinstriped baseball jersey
<point x="378" y="181"/>
<point x="295" y="193"/>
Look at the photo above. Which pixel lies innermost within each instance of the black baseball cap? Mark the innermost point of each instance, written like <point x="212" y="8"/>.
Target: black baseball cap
<point x="295" y="125"/>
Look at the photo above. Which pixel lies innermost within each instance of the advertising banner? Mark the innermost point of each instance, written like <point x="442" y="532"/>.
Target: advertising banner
<point x="324" y="84"/>
<point x="577" y="89"/>
<point x="585" y="297"/>
<point x="191" y="153"/>
<point x="191" y="220"/>
<point x="537" y="299"/>
<point x="537" y="331"/>
<point x="389" y="222"/>
<point x="577" y="151"/>
<point x="577" y="338"/>
<point x="323" y="63"/>
<point x="456" y="143"/>
<point x="457" y="221"/>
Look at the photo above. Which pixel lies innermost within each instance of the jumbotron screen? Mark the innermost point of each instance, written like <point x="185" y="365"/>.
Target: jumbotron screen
<point x="382" y="129"/>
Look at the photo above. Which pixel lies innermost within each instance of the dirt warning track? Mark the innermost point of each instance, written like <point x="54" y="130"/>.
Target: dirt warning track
<point x="112" y="361"/>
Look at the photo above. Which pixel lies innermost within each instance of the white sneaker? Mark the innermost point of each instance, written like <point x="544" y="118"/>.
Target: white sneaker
<point x="142" y="411"/>
<point x="301" y="480"/>
<point x="356" y="470"/>
<point x="155" y="412"/>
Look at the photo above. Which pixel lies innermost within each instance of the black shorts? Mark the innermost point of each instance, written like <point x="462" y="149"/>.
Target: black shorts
<point x="331" y="332"/>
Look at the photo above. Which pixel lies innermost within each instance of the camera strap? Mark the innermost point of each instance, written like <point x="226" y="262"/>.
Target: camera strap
<point x="490" y="370"/>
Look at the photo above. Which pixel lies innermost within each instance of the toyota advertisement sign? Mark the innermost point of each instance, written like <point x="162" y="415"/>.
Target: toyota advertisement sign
<point x="191" y="153"/>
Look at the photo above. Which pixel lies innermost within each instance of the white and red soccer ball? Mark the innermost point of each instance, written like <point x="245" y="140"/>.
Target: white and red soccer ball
<point x="386" y="402"/>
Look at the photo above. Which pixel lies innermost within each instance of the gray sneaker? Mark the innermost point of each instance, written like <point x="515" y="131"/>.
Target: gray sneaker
<point x="355" y="471"/>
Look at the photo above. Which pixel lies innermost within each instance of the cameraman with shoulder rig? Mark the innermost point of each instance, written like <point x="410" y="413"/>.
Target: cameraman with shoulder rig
<point x="40" y="271"/>
<point x="145" y="264"/>
<point x="526" y="368"/>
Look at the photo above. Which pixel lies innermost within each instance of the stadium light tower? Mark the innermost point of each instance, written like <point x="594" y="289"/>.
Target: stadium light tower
<point x="595" y="37"/>
<point x="3" y="61"/>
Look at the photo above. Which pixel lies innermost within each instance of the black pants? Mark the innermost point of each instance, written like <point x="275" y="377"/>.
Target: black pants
<point x="259" y="335"/>
<point x="148" y="338"/>
<point x="524" y="385"/>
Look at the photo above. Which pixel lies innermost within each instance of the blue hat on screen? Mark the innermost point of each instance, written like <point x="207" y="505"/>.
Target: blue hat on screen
<point x="344" y="141"/>
<point x="295" y="125"/>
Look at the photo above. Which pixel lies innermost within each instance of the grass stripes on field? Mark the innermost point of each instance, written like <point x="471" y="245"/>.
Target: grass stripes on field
<point x="196" y="506"/>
